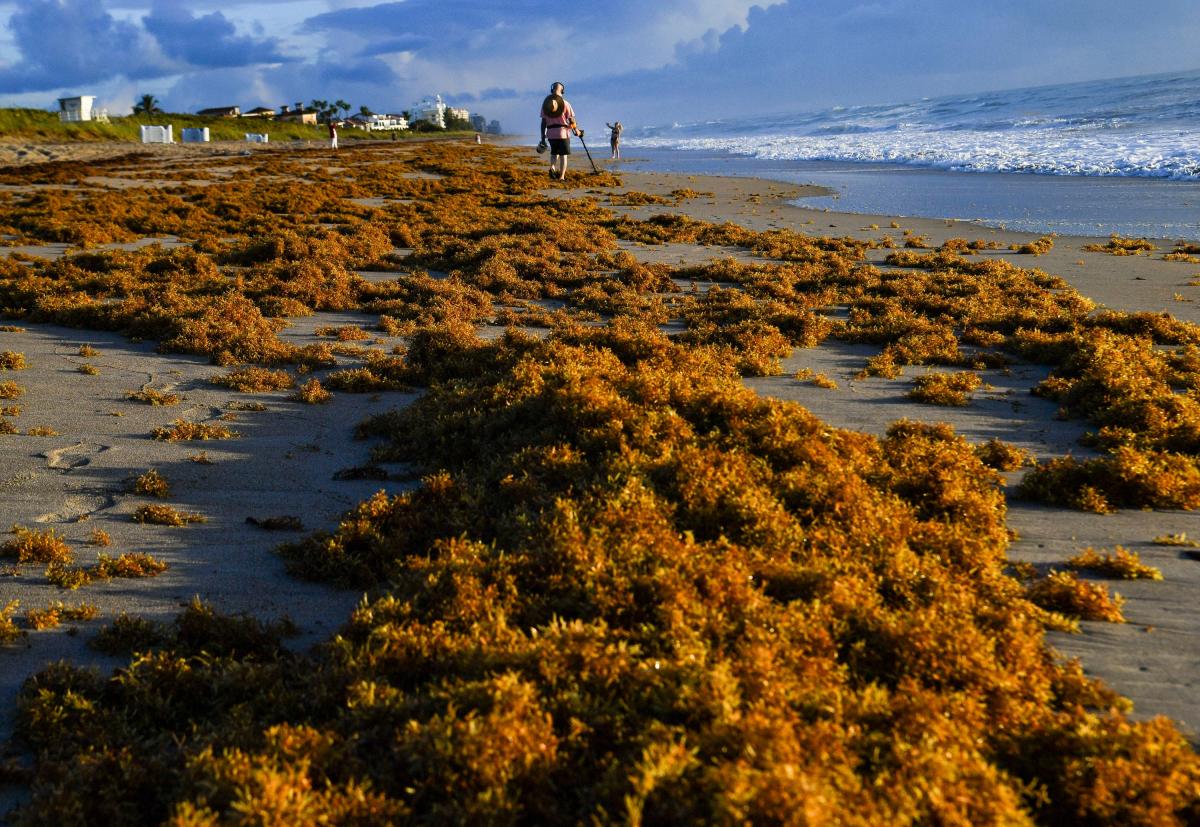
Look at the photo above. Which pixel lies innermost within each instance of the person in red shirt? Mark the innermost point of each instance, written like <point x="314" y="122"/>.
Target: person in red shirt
<point x="558" y="122"/>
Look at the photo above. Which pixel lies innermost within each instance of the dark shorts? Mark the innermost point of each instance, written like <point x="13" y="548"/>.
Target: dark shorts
<point x="560" y="146"/>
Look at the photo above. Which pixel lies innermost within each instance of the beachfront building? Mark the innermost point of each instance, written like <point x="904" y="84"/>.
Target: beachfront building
<point x="81" y="108"/>
<point x="260" y="112"/>
<point x="221" y="112"/>
<point x="387" y="123"/>
<point x="494" y="128"/>
<point x="297" y="115"/>
<point x="373" y="122"/>
<point x="458" y="114"/>
<point x="478" y="123"/>
<point x="430" y="111"/>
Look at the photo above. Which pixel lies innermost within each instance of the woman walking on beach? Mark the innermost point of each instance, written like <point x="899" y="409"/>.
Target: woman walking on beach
<point x="332" y="135"/>
<point x="614" y="139"/>
<point x="558" y="122"/>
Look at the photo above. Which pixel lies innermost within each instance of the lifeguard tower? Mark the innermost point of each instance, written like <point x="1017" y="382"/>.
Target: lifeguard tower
<point x="81" y="108"/>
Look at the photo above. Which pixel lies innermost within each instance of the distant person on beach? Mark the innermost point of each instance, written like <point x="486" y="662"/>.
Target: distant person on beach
<point x="614" y="139"/>
<point x="332" y="135"/>
<point x="558" y="122"/>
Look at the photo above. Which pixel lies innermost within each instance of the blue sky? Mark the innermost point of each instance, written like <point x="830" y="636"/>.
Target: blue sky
<point x="642" y="61"/>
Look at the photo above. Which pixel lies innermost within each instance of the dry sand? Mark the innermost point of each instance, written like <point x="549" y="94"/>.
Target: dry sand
<point x="282" y="464"/>
<point x="23" y="154"/>
<point x="286" y="457"/>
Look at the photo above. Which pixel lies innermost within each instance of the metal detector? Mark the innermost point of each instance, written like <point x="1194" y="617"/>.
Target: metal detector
<point x="585" y="149"/>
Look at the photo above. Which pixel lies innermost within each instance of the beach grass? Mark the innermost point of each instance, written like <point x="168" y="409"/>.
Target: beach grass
<point x="41" y="126"/>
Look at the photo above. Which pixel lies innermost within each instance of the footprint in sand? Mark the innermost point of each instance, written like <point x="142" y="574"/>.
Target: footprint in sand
<point x="73" y="456"/>
<point x="199" y="412"/>
<point x="76" y="506"/>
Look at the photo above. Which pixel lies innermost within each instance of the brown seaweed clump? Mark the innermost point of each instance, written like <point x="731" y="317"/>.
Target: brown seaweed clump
<point x="33" y="546"/>
<point x="953" y="389"/>
<point x="1121" y="563"/>
<point x="312" y="393"/>
<point x="54" y="615"/>
<point x="1120" y="246"/>
<point x="165" y="515"/>
<point x="183" y="431"/>
<point x="1063" y="592"/>
<point x="1003" y="456"/>
<point x="152" y="484"/>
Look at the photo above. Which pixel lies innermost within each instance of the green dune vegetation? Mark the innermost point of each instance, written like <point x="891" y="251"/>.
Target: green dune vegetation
<point x="42" y="126"/>
<point x="625" y="588"/>
<point x="39" y="125"/>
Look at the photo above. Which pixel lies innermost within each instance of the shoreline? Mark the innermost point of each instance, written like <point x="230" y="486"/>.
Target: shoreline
<point x="1142" y="283"/>
<point x="1074" y="205"/>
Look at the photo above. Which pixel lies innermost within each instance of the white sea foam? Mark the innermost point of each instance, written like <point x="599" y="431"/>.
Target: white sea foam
<point x="1164" y="154"/>
<point x="1145" y="127"/>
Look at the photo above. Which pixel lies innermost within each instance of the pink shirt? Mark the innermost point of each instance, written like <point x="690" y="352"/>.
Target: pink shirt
<point x="557" y="127"/>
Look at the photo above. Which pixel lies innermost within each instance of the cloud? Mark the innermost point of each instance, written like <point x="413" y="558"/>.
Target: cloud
<point x="647" y="62"/>
<point x="77" y="43"/>
<point x="209" y="41"/>
<point x="469" y="45"/>
<point x="405" y="43"/>
<point x="806" y="54"/>
<point x="358" y="71"/>
<point x="66" y="43"/>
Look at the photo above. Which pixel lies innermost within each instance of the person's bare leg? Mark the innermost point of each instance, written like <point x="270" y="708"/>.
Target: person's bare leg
<point x="563" y="173"/>
<point x="554" y="165"/>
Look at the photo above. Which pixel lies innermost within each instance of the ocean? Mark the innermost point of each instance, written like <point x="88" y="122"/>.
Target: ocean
<point x="1089" y="158"/>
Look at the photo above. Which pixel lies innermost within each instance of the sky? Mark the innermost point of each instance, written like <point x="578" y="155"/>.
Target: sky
<point x="641" y="61"/>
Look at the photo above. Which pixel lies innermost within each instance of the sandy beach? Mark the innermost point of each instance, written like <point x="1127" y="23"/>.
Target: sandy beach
<point x="286" y="457"/>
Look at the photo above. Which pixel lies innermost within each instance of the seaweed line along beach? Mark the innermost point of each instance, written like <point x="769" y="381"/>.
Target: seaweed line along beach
<point x="397" y="485"/>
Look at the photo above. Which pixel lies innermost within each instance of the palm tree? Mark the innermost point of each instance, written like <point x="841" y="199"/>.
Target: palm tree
<point x="148" y="105"/>
<point x="364" y="110"/>
<point x="341" y="105"/>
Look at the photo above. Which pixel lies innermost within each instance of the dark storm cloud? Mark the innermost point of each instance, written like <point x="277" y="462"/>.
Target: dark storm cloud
<point x="209" y="41"/>
<point x="359" y="71"/>
<point x="73" y="42"/>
